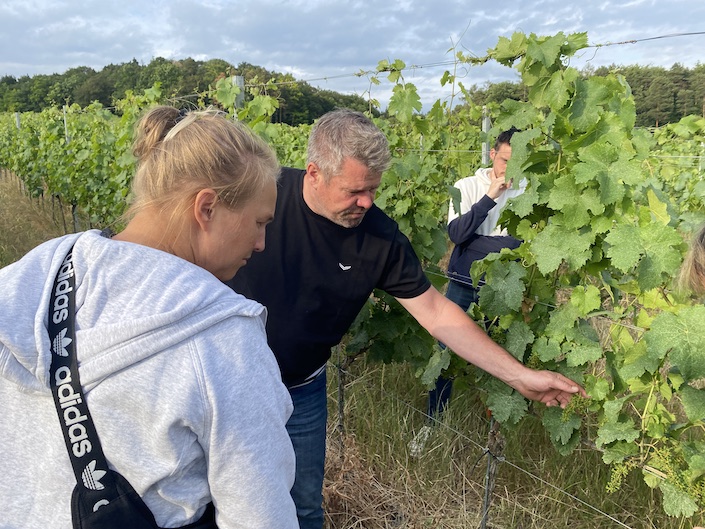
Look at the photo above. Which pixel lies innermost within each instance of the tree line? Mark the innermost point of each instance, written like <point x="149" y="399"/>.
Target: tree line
<point x="661" y="95"/>
<point x="187" y="79"/>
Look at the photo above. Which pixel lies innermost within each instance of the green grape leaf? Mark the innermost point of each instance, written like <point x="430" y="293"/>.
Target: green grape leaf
<point x="507" y="409"/>
<point x="627" y="171"/>
<point x="611" y="190"/>
<point x="663" y="242"/>
<point x="601" y="224"/>
<point x="560" y="430"/>
<point x="556" y="243"/>
<point x="524" y="115"/>
<point x="518" y="335"/>
<point x="638" y="359"/>
<point x="574" y="202"/>
<point x="616" y="431"/>
<point x="524" y="204"/>
<point x="587" y="103"/>
<point x="570" y="446"/>
<point x="507" y="51"/>
<point x="520" y="155"/>
<point x="597" y="387"/>
<point x="554" y="91"/>
<point x="618" y="452"/>
<point x="649" y="272"/>
<point x="546" y="349"/>
<point x="602" y="153"/>
<point x="440" y="360"/>
<point x="507" y="405"/>
<point x="696" y="462"/>
<point x="404" y="101"/>
<point x="693" y="402"/>
<point x="584" y="172"/>
<point x="504" y="289"/>
<point x="574" y="42"/>
<point x="625" y="247"/>
<point x="582" y="353"/>
<point x="659" y="209"/>
<point x="682" y="336"/>
<point x="676" y="502"/>
<point x="545" y="50"/>
<point x="651" y="479"/>
<point x="586" y="299"/>
<point x="562" y="321"/>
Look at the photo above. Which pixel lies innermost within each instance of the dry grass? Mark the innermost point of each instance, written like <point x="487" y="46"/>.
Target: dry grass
<point x="373" y="482"/>
<point x="24" y="222"/>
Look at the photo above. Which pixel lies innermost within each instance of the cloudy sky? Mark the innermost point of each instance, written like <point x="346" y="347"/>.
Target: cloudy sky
<point x="327" y="42"/>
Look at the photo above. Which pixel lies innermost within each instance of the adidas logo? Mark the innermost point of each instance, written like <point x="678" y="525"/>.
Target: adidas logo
<point x="91" y="477"/>
<point x="60" y="343"/>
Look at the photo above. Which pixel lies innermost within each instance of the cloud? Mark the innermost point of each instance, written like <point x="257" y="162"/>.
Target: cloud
<point x="330" y="41"/>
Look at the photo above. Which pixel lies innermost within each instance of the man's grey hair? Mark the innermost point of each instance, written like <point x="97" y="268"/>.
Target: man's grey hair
<point x="345" y="133"/>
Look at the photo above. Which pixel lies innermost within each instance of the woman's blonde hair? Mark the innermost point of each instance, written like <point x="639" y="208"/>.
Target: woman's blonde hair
<point x="692" y="273"/>
<point x="179" y="154"/>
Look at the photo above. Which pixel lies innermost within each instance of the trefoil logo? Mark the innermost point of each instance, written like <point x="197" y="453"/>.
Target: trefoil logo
<point x="60" y="344"/>
<point x="91" y="477"/>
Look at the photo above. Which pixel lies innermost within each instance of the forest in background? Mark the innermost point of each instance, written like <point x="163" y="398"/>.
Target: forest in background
<point x="299" y="102"/>
<point x="662" y="95"/>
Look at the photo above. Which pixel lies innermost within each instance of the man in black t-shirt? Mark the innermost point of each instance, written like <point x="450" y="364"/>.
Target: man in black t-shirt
<point x="328" y="247"/>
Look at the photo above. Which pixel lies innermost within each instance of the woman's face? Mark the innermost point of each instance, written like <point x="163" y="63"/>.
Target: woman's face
<point x="236" y="234"/>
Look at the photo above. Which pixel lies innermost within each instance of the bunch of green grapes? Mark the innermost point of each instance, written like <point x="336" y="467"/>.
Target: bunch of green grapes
<point x="619" y="471"/>
<point x="577" y="405"/>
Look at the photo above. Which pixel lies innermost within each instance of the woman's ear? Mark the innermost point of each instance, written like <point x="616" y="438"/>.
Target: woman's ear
<point x="204" y="207"/>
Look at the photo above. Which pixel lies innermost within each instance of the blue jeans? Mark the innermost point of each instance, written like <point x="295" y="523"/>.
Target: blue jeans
<point x="463" y="296"/>
<point x="307" y="429"/>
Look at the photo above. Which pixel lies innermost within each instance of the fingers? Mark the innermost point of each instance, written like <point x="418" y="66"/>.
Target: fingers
<point x="565" y="384"/>
<point x="556" y="398"/>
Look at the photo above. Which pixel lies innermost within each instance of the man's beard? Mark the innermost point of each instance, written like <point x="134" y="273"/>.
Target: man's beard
<point x="350" y="218"/>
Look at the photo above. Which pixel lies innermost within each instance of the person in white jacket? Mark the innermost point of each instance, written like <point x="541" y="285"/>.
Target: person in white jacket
<point x="185" y="394"/>
<point x="475" y="231"/>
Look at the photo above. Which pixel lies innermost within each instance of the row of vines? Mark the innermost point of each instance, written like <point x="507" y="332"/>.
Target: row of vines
<point x="606" y="220"/>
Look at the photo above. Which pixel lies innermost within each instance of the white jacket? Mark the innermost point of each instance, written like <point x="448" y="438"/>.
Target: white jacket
<point x="185" y="394"/>
<point x="472" y="189"/>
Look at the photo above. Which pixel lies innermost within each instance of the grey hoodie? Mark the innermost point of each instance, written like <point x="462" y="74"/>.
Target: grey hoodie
<point x="185" y="394"/>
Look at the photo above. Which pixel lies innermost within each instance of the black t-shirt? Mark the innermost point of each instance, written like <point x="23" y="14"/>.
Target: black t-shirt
<point x="314" y="276"/>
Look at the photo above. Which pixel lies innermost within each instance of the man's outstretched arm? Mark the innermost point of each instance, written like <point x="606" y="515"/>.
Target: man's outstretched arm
<point x="449" y="324"/>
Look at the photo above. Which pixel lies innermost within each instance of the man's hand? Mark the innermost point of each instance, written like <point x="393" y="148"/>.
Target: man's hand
<point x="498" y="185"/>
<point x="553" y="389"/>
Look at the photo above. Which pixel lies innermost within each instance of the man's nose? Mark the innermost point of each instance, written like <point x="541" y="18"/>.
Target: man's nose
<point x="366" y="200"/>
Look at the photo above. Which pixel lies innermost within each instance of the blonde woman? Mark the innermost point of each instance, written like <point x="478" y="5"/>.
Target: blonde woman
<point x="692" y="272"/>
<point x="185" y="394"/>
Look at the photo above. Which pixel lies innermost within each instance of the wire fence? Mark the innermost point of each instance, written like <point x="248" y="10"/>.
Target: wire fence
<point x="493" y="459"/>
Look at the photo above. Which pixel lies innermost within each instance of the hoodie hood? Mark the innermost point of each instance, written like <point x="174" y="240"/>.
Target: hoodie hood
<point x="483" y="175"/>
<point x="131" y="303"/>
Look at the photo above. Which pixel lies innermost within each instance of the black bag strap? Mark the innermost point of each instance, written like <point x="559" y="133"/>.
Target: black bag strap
<point x="97" y="487"/>
<point x="84" y="448"/>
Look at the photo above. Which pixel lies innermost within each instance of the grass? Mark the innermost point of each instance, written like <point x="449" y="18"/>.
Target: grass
<point x="372" y="481"/>
<point x="24" y="222"/>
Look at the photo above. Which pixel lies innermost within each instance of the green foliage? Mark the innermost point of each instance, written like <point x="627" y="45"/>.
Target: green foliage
<point x="604" y="223"/>
<point x="184" y="80"/>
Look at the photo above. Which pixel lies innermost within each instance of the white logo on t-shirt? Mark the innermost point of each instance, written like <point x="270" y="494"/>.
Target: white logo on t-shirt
<point x="344" y="268"/>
